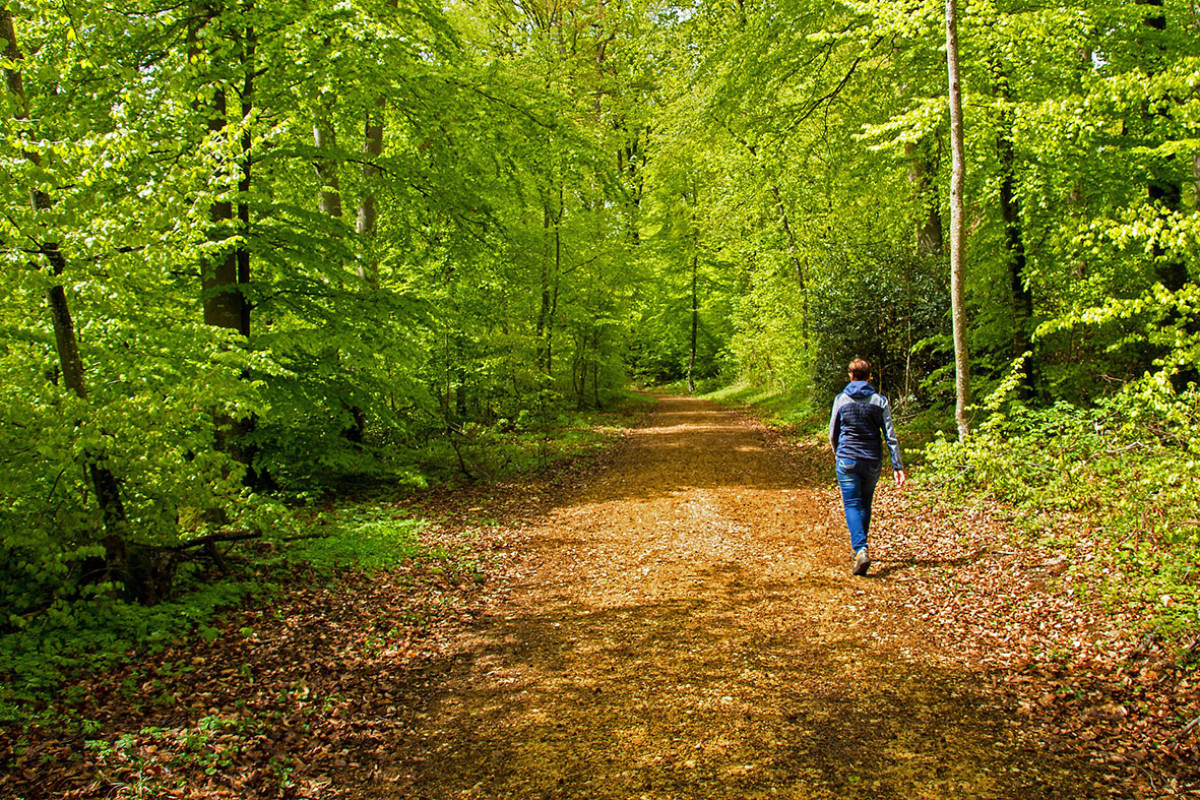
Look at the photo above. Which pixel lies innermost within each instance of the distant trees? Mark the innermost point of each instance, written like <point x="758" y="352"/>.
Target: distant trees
<point x="266" y="245"/>
<point x="218" y="325"/>
<point x="829" y="133"/>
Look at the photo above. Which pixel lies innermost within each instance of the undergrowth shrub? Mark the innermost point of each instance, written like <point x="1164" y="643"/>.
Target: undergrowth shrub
<point x="87" y="635"/>
<point x="883" y="305"/>
<point x="1124" y="475"/>
<point x="365" y="538"/>
<point x="45" y="643"/>
<point x="71" y="637"/>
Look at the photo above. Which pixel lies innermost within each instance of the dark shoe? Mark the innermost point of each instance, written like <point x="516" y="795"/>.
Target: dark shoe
<point x="861" y="562"/>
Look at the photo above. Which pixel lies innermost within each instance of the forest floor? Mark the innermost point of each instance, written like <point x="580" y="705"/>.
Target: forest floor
<point x="677" y="620"/>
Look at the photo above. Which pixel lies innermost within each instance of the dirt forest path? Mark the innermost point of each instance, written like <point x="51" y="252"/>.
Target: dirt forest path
<point x="685" y="626"/>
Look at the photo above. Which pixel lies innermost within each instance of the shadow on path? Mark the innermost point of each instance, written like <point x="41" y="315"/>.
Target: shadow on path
<point x="679" y="630"/>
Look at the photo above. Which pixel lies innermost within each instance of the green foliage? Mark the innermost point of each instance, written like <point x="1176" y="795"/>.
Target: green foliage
<point x="265" y="294"/>
<point x="881" y="307"/>
<point x="1122" y="478"/>
<point x="792" y="408"/>
<point x="362" y="537"/>
<point x="90" y="630"/>
<point x="490" y="284"/>
<point x="38" y="651"/>
<point x="531" y="442"/>
<point x="156" y="750"/>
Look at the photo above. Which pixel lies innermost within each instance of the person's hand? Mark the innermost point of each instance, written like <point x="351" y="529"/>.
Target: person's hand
<point x="900" y="478"/>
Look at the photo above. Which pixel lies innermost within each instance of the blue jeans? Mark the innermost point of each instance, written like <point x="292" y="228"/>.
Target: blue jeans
<point x="857" y="478"/>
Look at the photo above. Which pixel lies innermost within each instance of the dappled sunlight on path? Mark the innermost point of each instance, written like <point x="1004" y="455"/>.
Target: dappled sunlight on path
<point x="685" y="626"/>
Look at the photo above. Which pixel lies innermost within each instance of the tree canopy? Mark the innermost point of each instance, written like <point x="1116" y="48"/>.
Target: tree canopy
<point x="258" y="247"/>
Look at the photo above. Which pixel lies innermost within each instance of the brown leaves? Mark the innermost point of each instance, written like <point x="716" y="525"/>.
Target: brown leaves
<point x="287" y="696"/>
<point x="1031" y="618"/>
<point x="685" y="623"/>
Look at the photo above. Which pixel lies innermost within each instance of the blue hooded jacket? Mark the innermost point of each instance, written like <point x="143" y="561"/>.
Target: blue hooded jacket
<point x="861" y="421"/>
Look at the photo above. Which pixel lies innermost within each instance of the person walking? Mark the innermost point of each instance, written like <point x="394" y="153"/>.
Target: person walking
<point x="859" y="425"/>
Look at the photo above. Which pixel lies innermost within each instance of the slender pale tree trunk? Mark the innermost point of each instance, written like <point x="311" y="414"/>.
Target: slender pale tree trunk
<point x="1196" y="175"/>
<point x="367" y="216"/>
<point x="691" y="378"/>
<point x="962" y="363"/>
<point x="329" y="200"/>
<point x="372" y="149"/>
<point x="695" y="323"/>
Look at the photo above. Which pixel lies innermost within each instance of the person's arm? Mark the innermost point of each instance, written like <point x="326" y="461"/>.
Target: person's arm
<point x="893" y="443"/>
<point x="835" y="427"/>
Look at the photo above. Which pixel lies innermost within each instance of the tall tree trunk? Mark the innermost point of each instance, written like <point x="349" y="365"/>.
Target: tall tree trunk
<point x="105" y="484"/>
<point x="551" y="271"/>
<point x="930" y="239"/>
<point x="223" y="280"/>
<point x="962" y="363"/>
<point x="249" y="49"/>
<point x="329" y="202"/>
<point x="219" y="279"/>
<point x="1010" y="215"/>
<point x="543" y="316"/>
<point x="596" y="368"/>
<point x="630" y="161"/>
<point x="367" y="216"/>
<point x="1022" y="295"/>
<point x="555" y="283"/>
<point x="223" y="299"/>
<point x="1196" y="185"/>
<point x="691" y="371"/>
<point x="329" y="198"/>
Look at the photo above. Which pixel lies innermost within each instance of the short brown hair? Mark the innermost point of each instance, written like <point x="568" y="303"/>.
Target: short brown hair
<point x="860" y="369"/>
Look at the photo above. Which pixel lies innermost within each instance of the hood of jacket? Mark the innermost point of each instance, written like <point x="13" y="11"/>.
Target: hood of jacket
<point x="859" y="389"/>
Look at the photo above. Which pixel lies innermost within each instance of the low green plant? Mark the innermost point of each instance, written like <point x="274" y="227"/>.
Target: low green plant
<point x="363" y="537"/>
<point x="94" y="630"/>
<point x="99" y="633"/>
<point x="778" y="406"/>
<point x="1124" y="473"/>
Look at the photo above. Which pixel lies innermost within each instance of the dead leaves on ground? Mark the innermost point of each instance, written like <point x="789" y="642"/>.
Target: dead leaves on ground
<point x="288" y="697"/>
<point x="1079" y="672"/>
<point x="298" y="697"/>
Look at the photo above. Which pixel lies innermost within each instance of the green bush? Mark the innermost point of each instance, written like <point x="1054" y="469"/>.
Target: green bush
<point x="38" y="653"/>
<point x="886" y="306"/>
<point x="1124" y="474"/>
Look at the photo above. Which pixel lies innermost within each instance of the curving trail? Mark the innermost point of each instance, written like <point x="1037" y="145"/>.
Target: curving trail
<point x="685" y="626"/>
